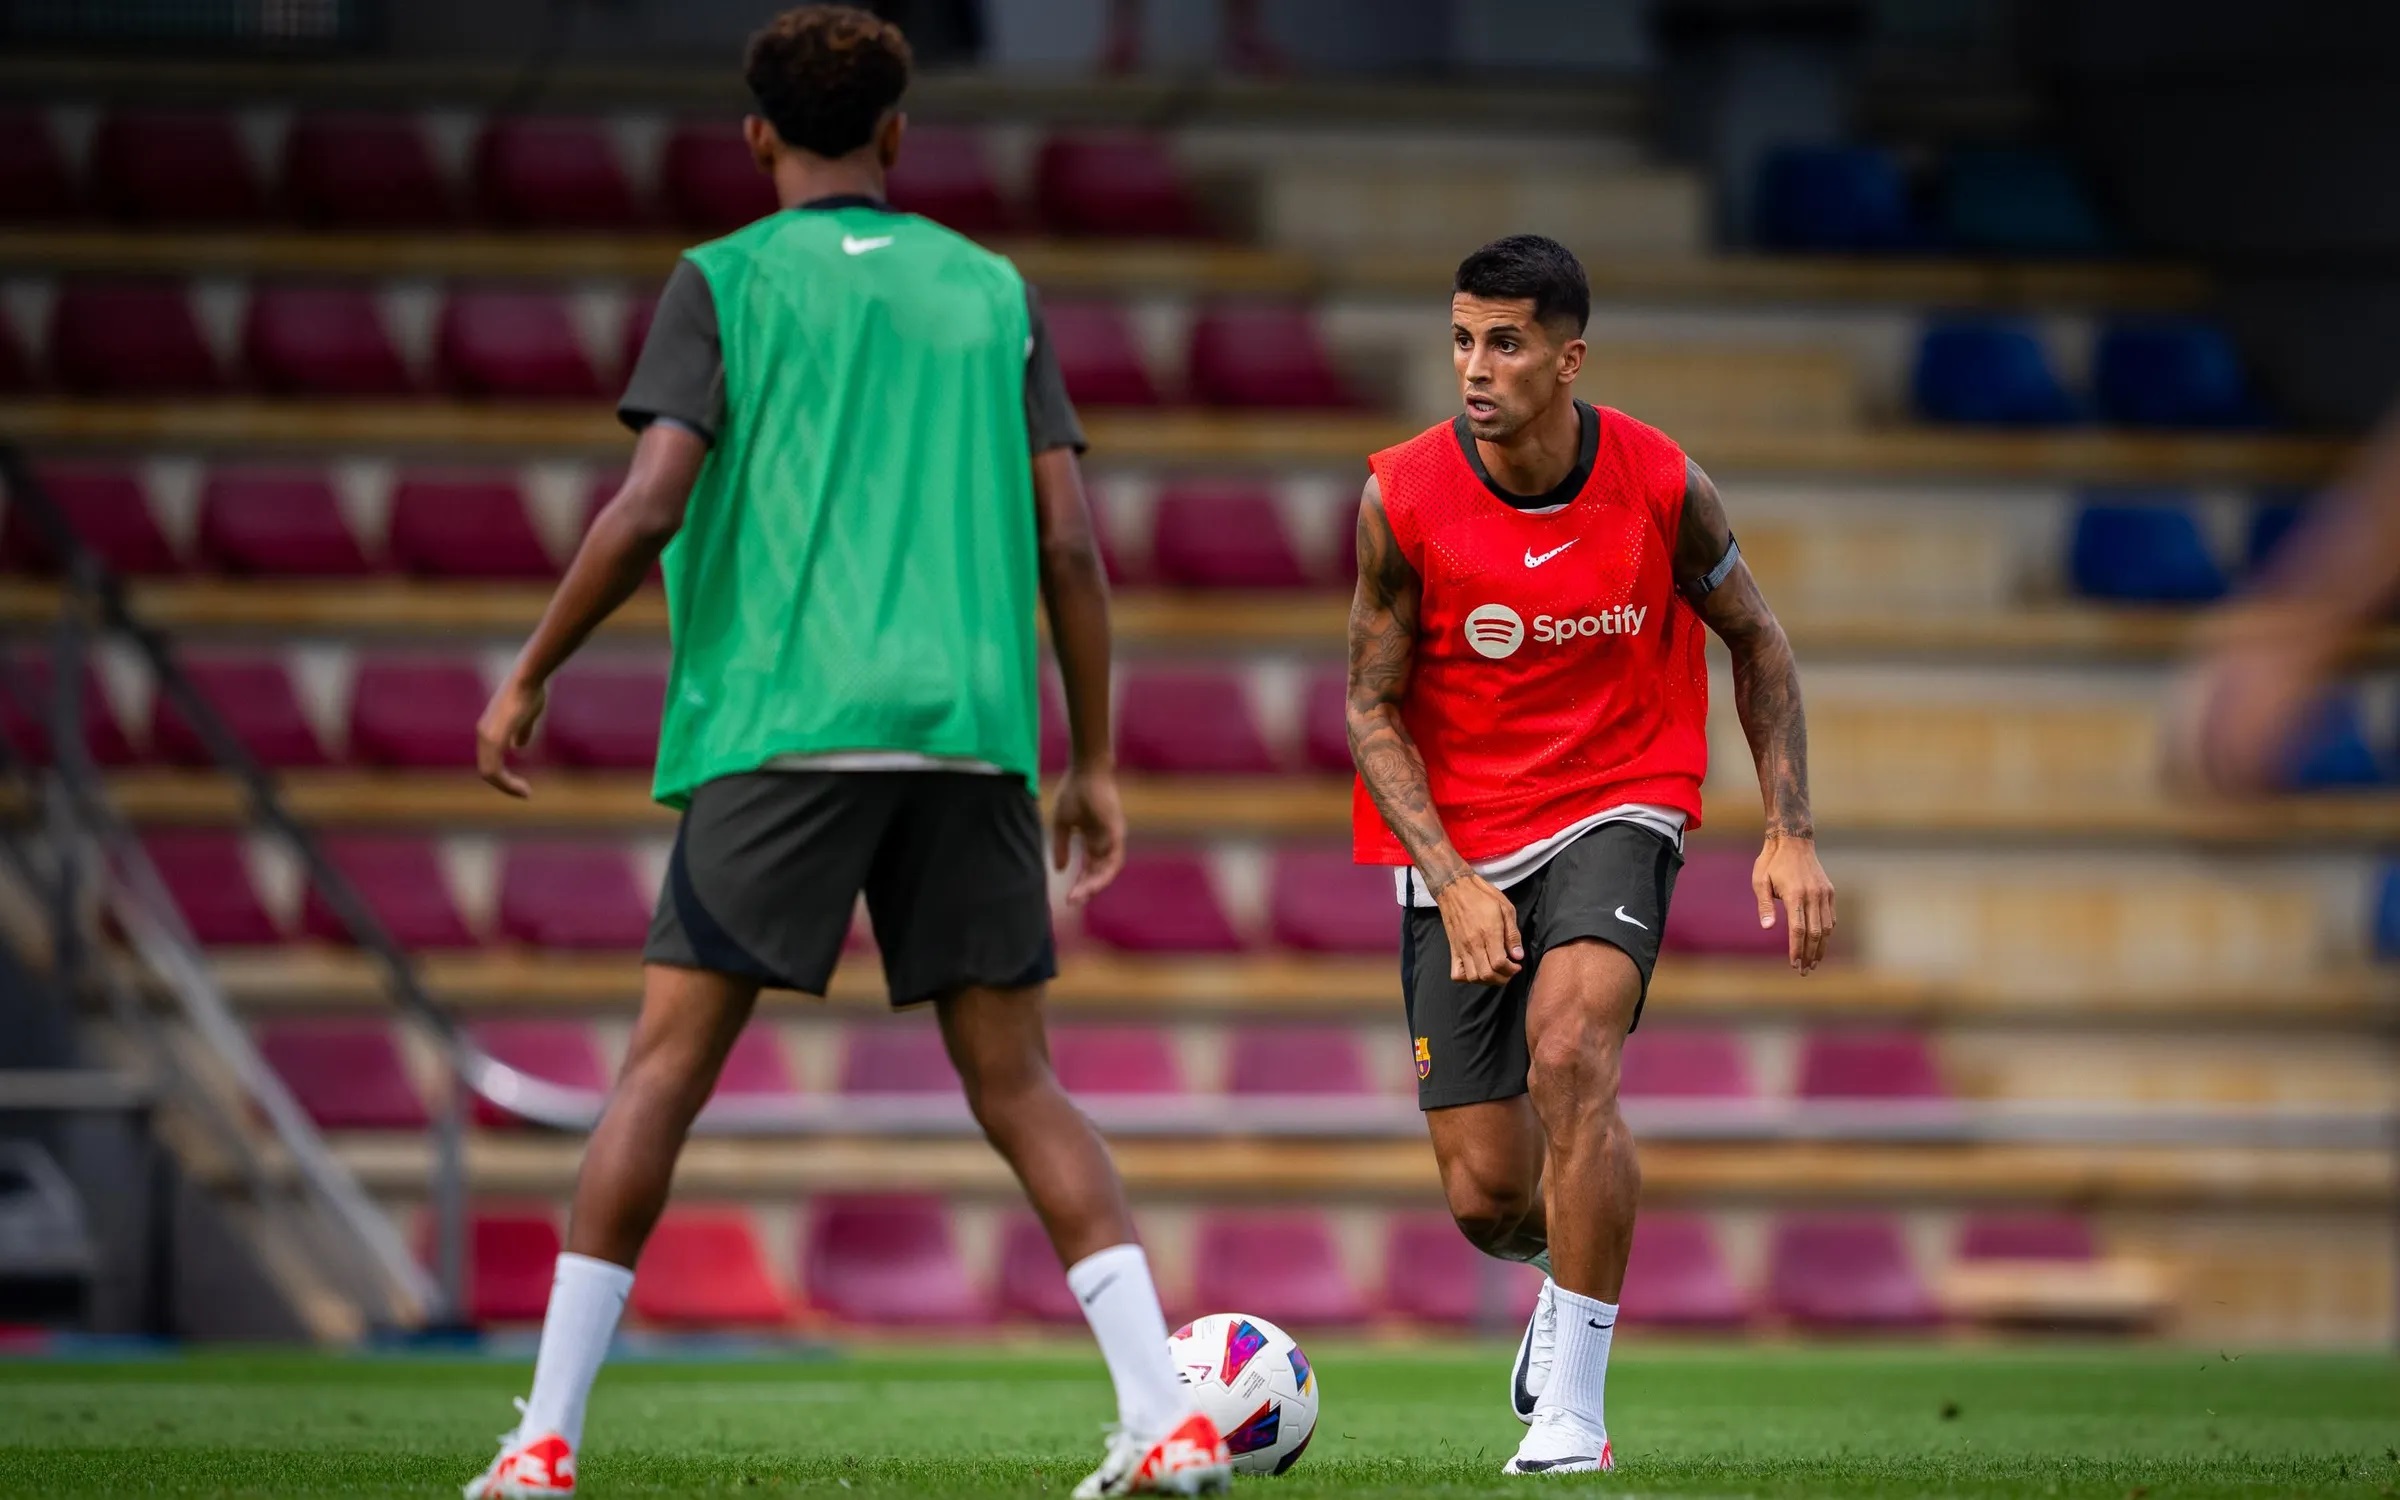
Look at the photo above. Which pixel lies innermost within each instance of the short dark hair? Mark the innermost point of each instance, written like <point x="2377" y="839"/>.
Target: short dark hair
<point x="823" y="75"/>
<point x="1533" y="266"/>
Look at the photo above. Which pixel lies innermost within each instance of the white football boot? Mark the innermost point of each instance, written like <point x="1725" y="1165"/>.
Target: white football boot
<point x="530" y="1464"/>
<point x="1537" y="1351"/>
<point x="1558" y="1442"/>
<point x="1191" y="1460"/>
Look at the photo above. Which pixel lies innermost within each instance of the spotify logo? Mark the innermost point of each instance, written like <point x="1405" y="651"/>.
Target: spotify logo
<point x="1495" y="630"/>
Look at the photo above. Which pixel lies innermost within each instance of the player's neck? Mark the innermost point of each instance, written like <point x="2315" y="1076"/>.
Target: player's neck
<point x="804" y="179"/>
<point x="1540" y="456"/>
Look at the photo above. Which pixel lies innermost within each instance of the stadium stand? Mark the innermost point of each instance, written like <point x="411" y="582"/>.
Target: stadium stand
<point x="276" y="523"/>
<point x="356" y="170"/>
<point x="1223" y="537"/>
<point x="1686" y="1063"/>
<point x="945" y="176"/>
<point x="410" y="713"/>
<point x="1833" y="198"/>
<point x="704" y="1268"/>
<point x="105" y="507"/>
<point x="890" y="1261"/>
<point x="709" y="182"/>
<point x="255" y="697"/>
<point x="561" y="1052"/>
<point x="1122" y="186"/>
<point x="208" y="876"/>
<point x="540" y="173"/>
<point x="348" y="1075"/>
<point x="2143" y="549"/>
<point x="34" y="182"/>
<point x="2014" y="200"/>
<point x="2171" y="373"/>
<point x="401" y="881"/>
<point x="571" y="896"/>
<point x="163" y="167"/>
<point x="519" y="344"/>
<point x="1282" y="1264"/>
<point x="511" y="1254"/>
<point x="129" y="338"/>
<point x="1162" y="902"/>
<point x="1990" y="372"/>
<point x="321" y="341"/>
<point x="1031" y="1286"/>
<point x="1434" y="1276"/>
<point x="756" y="1068"/>
<point x="1677" y="1276"/>
<point x="1847" y="1273"/>
<point x="1184" y="721"/>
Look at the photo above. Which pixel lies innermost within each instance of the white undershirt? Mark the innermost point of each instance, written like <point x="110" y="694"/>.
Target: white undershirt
<point x="880" y="760"/>
<point x="1509" y="869"/>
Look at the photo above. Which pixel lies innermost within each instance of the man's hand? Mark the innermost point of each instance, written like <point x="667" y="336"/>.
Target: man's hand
<point x="507" y="724"/>
<point x="1787" y="871"/>
<point x="1482" y="926"/>
<point x="1087" y="812"/>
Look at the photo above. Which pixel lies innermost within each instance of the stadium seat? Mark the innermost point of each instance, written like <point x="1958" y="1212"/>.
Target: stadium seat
<point x="1098" y="355"/>
<point x="571" y="895"/>
<point x="1057" y="739"/>
<point x="551" y="174"/>
<point x="708" y="181"/>
<point x="889" y="1261"/>
<point x="1115" y="1060"/>
<point x="2013" y="201"/>
<point x="2170" y="372"/>
<point x="207" y="873"/>
<point x="2330" y="751"/>
<point x="2386" y="922"/>
<point x="1221" y="535"/>
<point x="1295" y="1060"/>
<point x="25" y="713"/>
<point x="561" y="1052"/>
<point x="129" y="338"/>
<point x="897" y="1058"/>
<point x="276" y="523"/>
<point x="1118" y="185"/>
<point x="1433" y="1275"/>
<point x="756" y="1067"/>
<point x="415" y="715"/>
<point x="1715" y="912"/>
<point x="1677" y="1277"/>
<point x="1032" y="1283"/>
<point x="704" y="1268"/>
<point x="1282" y="1265"/>
<point x="519" y="345"/>
<point x="1189" y="721"/>
<point x="1989" y="372"/>
<point x="1263" y="354"/>
<point x="605" y="718"/>
<point x="106" y="507"/>
<point x="1832" y="198"/>
<point x="34" y="183"/>
<point x="1671" y="1062"/>
<point x="255" y="697"/>
<point x="321" y="341"/>
<point x="16" y="366"/>
<point x="641" y="310"/>
<point x="943" y="175"/>
<point x="1320" y="901"/>
<point x="1846" y="1272"/>
<point x="1325" y="727"/>
<point x="401" y="881"/>
<point x="160" y="167"/>
<point x="2271" y="522"/>
<point x="465" y="526"/>
<point x="2026" y="1236"/>
<point x="1162" y="902"/>
<point x="353" y="170"/>
<point x="2142" y="550"/>
<point x="511" y="1259"/>
<point x="1869" y="1065"/>
<point x="347" y="1075"/>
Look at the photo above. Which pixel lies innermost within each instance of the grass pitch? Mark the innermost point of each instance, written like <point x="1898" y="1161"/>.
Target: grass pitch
<point x="1398" y="1422"/>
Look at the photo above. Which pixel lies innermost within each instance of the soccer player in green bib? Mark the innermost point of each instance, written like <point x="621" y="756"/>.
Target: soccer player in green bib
<point x="857" y="465"/>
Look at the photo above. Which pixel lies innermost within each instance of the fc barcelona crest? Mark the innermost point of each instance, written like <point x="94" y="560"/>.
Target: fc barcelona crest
<point x="1424" y="1057"/>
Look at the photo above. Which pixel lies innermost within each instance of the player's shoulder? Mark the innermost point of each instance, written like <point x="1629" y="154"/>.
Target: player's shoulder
<point x="1430" y="443"/>
<point x="1634" y="434"/>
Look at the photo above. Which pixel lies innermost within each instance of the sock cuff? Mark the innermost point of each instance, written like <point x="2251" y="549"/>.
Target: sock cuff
<point x="1589" y="1307"/>
<point x="606" y="1273"/>
<point x="1086" y="1275"/>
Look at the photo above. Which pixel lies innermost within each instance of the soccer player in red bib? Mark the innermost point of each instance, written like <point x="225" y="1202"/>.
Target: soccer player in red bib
<point x="1528" y="709"/>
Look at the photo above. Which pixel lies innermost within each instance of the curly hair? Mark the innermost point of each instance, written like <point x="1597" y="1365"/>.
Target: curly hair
<point x="823" y="75"/>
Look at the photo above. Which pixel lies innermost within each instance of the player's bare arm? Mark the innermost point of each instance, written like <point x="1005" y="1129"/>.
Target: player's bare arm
<point x="1480" y="919"/>
<point x="1766" y="694"/>
<point x="625" y="539"/>
<point x="1075" y="595"/>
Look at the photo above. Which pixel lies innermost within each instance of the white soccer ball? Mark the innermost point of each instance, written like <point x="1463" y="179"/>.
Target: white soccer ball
<point x="1253" y="1381"/>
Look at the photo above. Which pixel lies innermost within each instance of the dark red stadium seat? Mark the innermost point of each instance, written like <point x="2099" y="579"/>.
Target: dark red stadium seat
<point x="756" y="1068"/>
<point x="129" y="338"/>
<point x="207" y="873"/>
<point x="1121" y="566"/>
<point x="2026" y="1236"/>
<point x="512" y="1255"/>
<point x="1163" y="902"/>
<point x="1189" y="721"/>
<point x="34" y="184"/>
<point x="561" y="1052"/>
<point x="1097" y="354"/>
<point x="1846" y="1272"/>
<point x="16" y="366"/>
<point x="1320" y="901"/>
<point x="889" y="1261"/>
<point x="321" y="341"/>
<point x="348" y="1075"/>
<point x="106" y="507"/>
<point x="1714" y="910"/>
<point x="1677" y="1277"/>
<point x="571" y="895"/>
<point x="415" y="715"/>
<point x="1223" y="535"/>
<point x="401" y="881"/>
<point x="276" y="523"/>
<point x="174" y="167"/>
<point x="944" y="175"/>
<point x="1325" y="728"/>
<point x="897" y="1059"/>
<point x="709" y="181"/>
<point x="465" y="526"/>
<point x="1295" y="1060"/>
<point x="1869" y="1065"/>
<point x="1124" y="186"/>
<point x="1433" y="1275"/>
<point x="552" y="174"/>
<point x="1115" y="1060"/>
<point x="1670" y="1062"/>
<point x="519" y="345"/>
<point x="1058" y="743"/>
<point x="641" y="310"/>
<point x="1032" y="1283"/>
<point x="704" y="1268"/>
<point x="255" y="697"/>
<point x="25" y="713"/>
<point x="354" y="170"/>
<point x="1280" y="1264"/>
<point x="605" y="718"/>
<point x="1263" y="354"/>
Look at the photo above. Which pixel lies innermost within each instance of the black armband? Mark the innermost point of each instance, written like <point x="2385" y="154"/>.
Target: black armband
<point x="1697" y="589"/>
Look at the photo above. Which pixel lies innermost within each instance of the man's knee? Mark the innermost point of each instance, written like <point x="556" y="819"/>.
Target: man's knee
<point x="1001" y="1082"/>
<point x="1575" y="1064"/>
<point x="1488" y="1204"/>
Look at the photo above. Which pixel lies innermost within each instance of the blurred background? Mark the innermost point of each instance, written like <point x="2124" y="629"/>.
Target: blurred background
<point x="2015" y="332"/>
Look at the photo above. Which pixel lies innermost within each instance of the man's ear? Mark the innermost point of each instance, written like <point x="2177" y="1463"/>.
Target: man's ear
<point x="762" y="140"/>
<point x="1570" y="361"/>
<point x="888" y="136"/>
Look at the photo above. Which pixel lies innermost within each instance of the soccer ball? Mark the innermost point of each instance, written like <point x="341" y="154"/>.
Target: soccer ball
<point x="1254" y="1383"/>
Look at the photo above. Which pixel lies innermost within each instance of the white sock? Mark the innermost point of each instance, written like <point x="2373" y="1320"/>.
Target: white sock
<point x="1121" y="1304"/>
<point x="1579" y="1381"/>
<point x="586" y="1297"/>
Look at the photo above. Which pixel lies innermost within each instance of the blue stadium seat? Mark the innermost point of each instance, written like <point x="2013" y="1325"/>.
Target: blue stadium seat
<point x="2171" y="372"/>
<point x="2277" y="512"/>
<point x="1989" y="371"/>
<point x="2331" y="753"/>
<point x="1832" y="198"/>
<point x="2013" y="201"/>
<point x="2143" y="548"/>
<point x="2387" y="912"/>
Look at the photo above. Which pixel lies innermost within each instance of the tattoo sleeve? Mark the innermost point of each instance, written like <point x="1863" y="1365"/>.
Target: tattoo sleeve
<point x="1383" y="639"/>
<point x="1766" y="679"/>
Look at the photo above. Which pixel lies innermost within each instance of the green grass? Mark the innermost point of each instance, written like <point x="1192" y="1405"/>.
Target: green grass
<point x="1719" y="1422"/>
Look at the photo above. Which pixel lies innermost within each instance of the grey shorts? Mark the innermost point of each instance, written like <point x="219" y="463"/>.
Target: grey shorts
<point x="768" y="868"/>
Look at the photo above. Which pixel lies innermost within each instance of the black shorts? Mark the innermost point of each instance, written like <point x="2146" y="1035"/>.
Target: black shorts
<point x="1612" y="884"/>
<point x="768" y="867"/>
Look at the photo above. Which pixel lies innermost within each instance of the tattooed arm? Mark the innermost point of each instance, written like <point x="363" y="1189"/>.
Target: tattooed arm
<point x="1480" y="919"/>
<point x="1766" y="694"/>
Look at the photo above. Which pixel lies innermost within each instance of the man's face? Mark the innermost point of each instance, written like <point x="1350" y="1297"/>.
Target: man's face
<point x="1510" y="368"/>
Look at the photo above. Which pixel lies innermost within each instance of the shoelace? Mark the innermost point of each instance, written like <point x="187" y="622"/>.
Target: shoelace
<point x="1545" y="1334"/>
<point x="517" y="1431"/>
